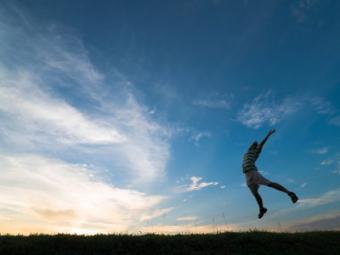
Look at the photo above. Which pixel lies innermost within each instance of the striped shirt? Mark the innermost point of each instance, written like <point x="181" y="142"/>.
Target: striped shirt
<point x="249" y="159"/>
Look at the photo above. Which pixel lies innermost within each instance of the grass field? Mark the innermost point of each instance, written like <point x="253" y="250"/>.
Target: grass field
<point x="224" y="243"/>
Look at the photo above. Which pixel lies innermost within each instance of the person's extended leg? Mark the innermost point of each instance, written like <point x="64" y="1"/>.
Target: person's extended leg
<point x="279" y="187"/>
<point x="254" y="191"/>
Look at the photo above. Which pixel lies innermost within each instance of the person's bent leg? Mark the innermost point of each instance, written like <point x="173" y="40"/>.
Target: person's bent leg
<point x="254" y="191"/>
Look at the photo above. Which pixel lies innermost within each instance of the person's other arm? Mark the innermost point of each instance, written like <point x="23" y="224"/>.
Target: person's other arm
<point x="259" y="147"/>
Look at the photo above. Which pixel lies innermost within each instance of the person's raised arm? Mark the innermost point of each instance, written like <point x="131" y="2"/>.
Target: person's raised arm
<point x="272" y="131"/>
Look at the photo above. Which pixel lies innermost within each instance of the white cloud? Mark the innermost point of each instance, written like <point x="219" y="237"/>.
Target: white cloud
<point x="219" y="104"/>
<point x="263" y="109"/>
<point x="53" y="99"/>
<point x="196" y="184"/>
<point x="327" y="162"/>
<point x="26" y="104"/>
<point x="222" y="186"/>
<point x="156" y="213"/>
<point x="215" y="101"/>
<point x="337" y="169"/>
<point x="187" y="218"/>
<point x="303" y="185"/>
<point x="66" y="55"/>
<point x="334" y="163"/>
<point x="196" y="137"/>
<point x="321" y="151"/>
<point x="40" y="194"/>
<point x="321" y="105"/>
<point x="325" y="198"/>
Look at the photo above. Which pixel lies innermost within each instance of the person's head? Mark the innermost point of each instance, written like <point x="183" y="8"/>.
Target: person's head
<point x="253" y="146"/>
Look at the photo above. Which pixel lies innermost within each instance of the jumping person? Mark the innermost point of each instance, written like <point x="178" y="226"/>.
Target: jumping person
<point x="254" y="178"/>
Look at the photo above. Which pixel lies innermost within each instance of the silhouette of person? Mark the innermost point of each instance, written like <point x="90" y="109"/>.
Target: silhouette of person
<point x="255" y="179"/>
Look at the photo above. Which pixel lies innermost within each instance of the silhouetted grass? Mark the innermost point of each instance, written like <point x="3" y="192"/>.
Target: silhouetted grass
<point x="224" y="243"/>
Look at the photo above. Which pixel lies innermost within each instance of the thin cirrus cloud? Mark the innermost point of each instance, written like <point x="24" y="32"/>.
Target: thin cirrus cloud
<point x="215" y="101"/>
<point x="337" y="169"/>
<point x="304" y="204"/>
<point x="156" y="213"/>
<point x="187" y="218"/>
<point x="263" y="109"/>
<point x="333" y="162"/>
<point x="326" y="198"/>
<point x="37" y="113"/>
<point x="196" y="137"/>
<point x="326" y="162"/>
<point x="24" y="102"/>
<point x="195" y="184"/>
<point x="321" y="105"/>
<point x="321" y="151"/>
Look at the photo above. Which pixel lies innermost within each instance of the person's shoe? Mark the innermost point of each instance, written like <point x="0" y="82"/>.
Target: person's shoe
<point x="262" y="212"/>
<point x="293" y="197"/>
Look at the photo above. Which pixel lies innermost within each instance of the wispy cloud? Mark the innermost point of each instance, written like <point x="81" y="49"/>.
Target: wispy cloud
<point x="25" y="103"/>
<point x="52" y="94"/>
<point x="303" y="185"/>
<point x="321" y="151"/>
<point x="215" y="101"/>
<point x="196" y="183"/>
<point x="196" y="137"/>
<point x="265" y="110"/>
<point x="156" y="213"/>
<point x="326" y="198"/>
<point x="321" y="105"/>
<point x="337" y="168"/>
<point x="333" y="162"/>
<point x="327" y="162"/>
<point x="187" y="218"/>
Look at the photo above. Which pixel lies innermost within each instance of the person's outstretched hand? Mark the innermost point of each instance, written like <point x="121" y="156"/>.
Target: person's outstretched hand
<point x="272" y="131"/>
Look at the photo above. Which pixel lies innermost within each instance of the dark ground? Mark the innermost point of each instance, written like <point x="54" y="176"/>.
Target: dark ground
<point x="224" y="243"/>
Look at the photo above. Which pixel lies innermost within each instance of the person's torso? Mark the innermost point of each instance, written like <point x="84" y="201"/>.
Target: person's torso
<point x="249" y="160"/>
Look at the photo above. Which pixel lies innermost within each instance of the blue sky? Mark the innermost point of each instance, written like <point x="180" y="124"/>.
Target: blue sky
<point x="134" y="115"/>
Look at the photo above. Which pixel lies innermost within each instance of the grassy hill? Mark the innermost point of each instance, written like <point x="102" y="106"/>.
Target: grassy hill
<point x="224" y="243"/>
